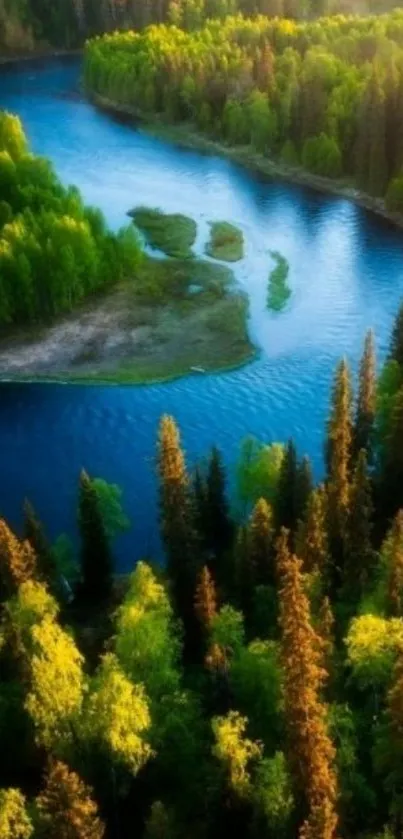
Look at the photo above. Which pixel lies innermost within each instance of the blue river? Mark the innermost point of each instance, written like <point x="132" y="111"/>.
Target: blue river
<point x="346" y="274"/>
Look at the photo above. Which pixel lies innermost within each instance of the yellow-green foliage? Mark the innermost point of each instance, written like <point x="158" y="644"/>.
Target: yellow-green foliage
<point x="226" y="242"/>
<point x="372" y="645"/>
<point x="14" y="820"/>
<point x="31" y="604"/>
<point x="117" y="715"/>
<point x="235" y="751"/>
<point x="227" y="630"/>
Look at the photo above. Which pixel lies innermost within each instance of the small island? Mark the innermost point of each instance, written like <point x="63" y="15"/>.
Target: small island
<point x="226" y="242"/>
<point x="174" y="234"/>
<point x="278" y="291"/>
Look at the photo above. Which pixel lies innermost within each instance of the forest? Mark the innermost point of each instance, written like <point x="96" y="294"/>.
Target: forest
<point x="322" y="95"/>
<point x="54" y="251"/>
<point x="253" y="684"/>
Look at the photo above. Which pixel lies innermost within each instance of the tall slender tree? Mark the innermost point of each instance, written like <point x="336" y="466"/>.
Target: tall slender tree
<point x="360" y="555"/>
<point x="303" y="486"/>
<point x="366" y="401"/>
<point x="286" y="506"/>
<point x="260" y="533"/>
<point x="96" y="558"/>
<point x="311" y="751"/>
<point x="205" y="599"/>
<point x="338" y="464"/>
<point x="35" y="535"/>
<point x="393" y="549"/>
<point x="392" y="467"/>
<point x="218" y="520"/>
<point x="396" y="344"/>
<point x="312" y="541"/>
<point x="17" y="561"/>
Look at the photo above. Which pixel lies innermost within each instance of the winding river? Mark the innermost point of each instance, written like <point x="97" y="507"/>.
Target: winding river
<point x="346" y="274"/>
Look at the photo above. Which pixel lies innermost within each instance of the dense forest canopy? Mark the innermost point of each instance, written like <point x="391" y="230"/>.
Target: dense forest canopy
<point x="54" y="251"/>
<point x="326" y="94"/>
<point x="253" y="686"/>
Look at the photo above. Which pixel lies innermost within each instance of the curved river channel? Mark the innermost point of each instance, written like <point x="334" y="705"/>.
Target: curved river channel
<point x="346" y="274"/>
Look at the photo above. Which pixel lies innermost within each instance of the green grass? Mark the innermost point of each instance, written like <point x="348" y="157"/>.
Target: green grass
<point x="174" y="234"/>
<point x="171" y="281"/>
<point x="226" y="242"/>
<point x="278" y="291"/>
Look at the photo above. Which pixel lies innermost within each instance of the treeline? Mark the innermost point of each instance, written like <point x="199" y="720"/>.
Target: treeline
<point x="54" y="251"/>
<point x="324" y="94"/>
<point x="26" y="25"/>
<point x="254" y="685"/>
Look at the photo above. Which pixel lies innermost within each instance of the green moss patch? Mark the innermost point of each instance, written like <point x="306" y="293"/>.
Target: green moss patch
<point x="226" y="242"/>
<point x="174" y="234"/>
<point x="278" y="291"/>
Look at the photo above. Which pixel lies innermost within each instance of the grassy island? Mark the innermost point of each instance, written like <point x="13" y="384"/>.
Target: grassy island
<point x="226" y="242"/>
<point x="174" y="234"/>
<point x="279" y="291"/>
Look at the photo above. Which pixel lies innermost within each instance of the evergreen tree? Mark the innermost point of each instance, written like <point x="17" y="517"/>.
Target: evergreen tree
<point x="311" y="751"/>
<point x="260" y="535"/>
<point x="338" y="465"/>
<point x="312" y="542"/>
<point x="396" y="344"/>
<point x="35" y="535"/>
<point x="394" y="551"/>
<point x="365" y="411"/>
<point x="392" y="471"/>
<point x="96" y="559"/>
<point x="65" y="807"/>
<point x="199" y="503"/>
<point x="359" y="554"/>
<point x="177" y="521"/>
<point x="304" y="486"/>
<point x="205" y="599"/>
<point x="286" y="505"/>
<point x="245" y="570"/>
<point x="325" y="628"/>
<point x="218" y="521"/>
<point x="17" y="561"/>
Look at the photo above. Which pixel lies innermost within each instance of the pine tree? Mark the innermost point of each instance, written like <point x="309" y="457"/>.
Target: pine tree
<point x="205" y="599"/>
<point x="396" y="344"/>
<point x="394" y="550"/>
<point x="392" y="473"/>
<point x="218" y="521"/>
<point x="338" y="464"/>
<point x="260" y="535"/>
<point x="286" y="508"/>
<point x="311" y="751"/>
<point x="312" y="542"/>
<point x="365" y="411"/>
<point x="304" y="486"/>
<point x="65" y="807"/>
<point x="17" y="561"/>
<point x="35" y="535"/>
<point x="177" y="521"/>
<point x="96" y="559"/>
<point x="245" y="570"/>
<point x="359" y="552"/>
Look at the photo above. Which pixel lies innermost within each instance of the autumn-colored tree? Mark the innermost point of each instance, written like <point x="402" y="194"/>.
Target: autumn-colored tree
<point x="311" y="751"/>
<point x="177" y="520"/>
<point x="96" y="559"/>
<point x="325" y="629"/>
<point x="205" y="599"/>
<point x="365" y="409"/>
<point x="15" y="822"/>
<point x="17" y="561"/>
<point x="312" y="541"/>
<point x="359" y="559"/>
<point x="65" y="807"/>
<point x="35" y="535"/>
<point x="392" y="472"/>
<point x="393" y="549"/>
<point x="338" y="464"/>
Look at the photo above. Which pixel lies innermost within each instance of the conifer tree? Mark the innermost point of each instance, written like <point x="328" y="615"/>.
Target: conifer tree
<point x="394" y="550"/>
<point x="177" y="520"/>
<point x="304" y="486"/>
<point x="218" y="521"/>
<point x="286" y="506"/>
<point x="338" y="463"/>
<point x="312" y="542"/>
<point x="260" y="532"/>
<point x="365" y="411"/>
<point x="199" y="504"/>
<point x="35" y="535"/>
<point x="205" y="599"/>
<point x="359" y="553"/>
<point x="96" y="559"/>
<point x="392" y="472"/>
<point x="311" y="751"/>
<point x="245" y="570"/>
<point x="325" y="627"/>
<point x="65" y="807"/>
<point x="17" y="561"/>
<point x="396" y="344"/>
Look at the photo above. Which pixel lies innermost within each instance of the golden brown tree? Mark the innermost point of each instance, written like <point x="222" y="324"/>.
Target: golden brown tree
<point x="311" y="750"/>
<point x="312" y="542"/>
<point x="338" y="463"/>
<point x="325" y="627"/>
<point x="17" y="560"/>
<point x="360" y="556"/>
<point x="393" y="549"/>
<point x="365" y="410"/>
<point x="65" y="807"/>
<point x="205" y="599"/>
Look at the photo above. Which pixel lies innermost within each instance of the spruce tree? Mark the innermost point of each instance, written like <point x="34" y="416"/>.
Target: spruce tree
<point x="177" y="521"/>
<point x="286" y="504"/>
<point x="365" y="411"/>
<point x="260" y="533"/>
<point x="311" y="751"/>
<point x="392" y="472"/>
<point x="65" y="808"/>
<point x="205" y="600"/>
<point x="35" y="535"/>
<point x="396" y="344"/>
<point x="338" y="457"/>
<point x="199" y="504"/>
<point x="17" y="562"/>
<point x="394" y="551"/>
<point x="96" y="559"/>
<point x="218" y="520"/>
<point x="312" y="541"/>
<point x="303" y="487"/>
<point x="360" y="554"/>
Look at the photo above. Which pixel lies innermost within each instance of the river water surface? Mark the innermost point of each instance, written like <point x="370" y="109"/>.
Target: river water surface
<point x="346" y="274"/>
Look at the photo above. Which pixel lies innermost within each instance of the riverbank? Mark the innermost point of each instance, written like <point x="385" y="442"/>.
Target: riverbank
<point x="125" y="338"/>
<point x="187" y="136"/>
<point x="38" y="55"/>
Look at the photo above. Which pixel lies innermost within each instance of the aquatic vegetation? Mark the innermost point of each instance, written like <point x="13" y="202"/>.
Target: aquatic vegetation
<point x="172" y="233"/>
<point x="226" y="242"/>
<point x="278" y="291"/>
